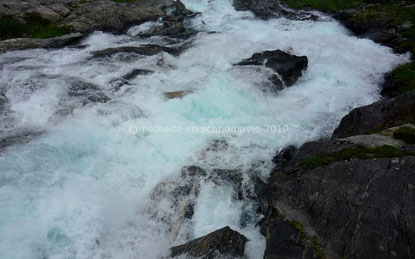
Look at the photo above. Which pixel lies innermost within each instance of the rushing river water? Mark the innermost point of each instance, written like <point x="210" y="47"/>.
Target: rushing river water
<point x="78" y="177"/>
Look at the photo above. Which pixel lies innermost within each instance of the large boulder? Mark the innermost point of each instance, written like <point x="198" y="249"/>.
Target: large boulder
<point x="222" y="242"/>
<point x="288" y="67"/>
<point x="378" y="116"/>
<point x="345" y="200"/>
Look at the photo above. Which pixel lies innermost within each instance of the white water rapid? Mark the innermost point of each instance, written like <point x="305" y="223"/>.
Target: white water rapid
<point x="81" y="184"/>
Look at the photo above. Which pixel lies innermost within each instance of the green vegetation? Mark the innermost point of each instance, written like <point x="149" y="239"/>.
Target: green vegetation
<point x="405" y="133"/>
<point x="324" y="5"/>
<point x="395" y="15"/>
<point x="318" y="248"/>
<point x="390" y="11"/>
<point x="125" y="1"/>
<point x="404" y="77"/>
<point x="300" y="227"/>
<point x="349" y="153"/>
<point x="35" y="27"/>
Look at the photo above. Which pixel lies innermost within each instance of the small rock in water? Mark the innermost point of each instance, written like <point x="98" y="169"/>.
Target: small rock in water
<point x="145" y="50"/>
<point x="88" y="92"/>
<point x="177" y="94"/>
<point x="136" y="72"/>
<point x="222" y="242"/>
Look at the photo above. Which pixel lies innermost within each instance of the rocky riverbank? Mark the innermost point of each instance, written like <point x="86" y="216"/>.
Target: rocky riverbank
<point x="352" y="196"/>
<point x="54" y="24"/>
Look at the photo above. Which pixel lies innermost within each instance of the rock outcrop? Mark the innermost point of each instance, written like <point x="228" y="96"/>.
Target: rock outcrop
<point x="267" y="9"/>
<point x="88" y="15"/>
<point x="351" y="201"/>
<point x="374" y="25"/>
<point x="288" y="68"/>
<point x="222" y="242"/>
<point x="352" y="196"/>
<point x="378" y="116"/>
<point x="28" y="43"/>
<point x="38" y="23"/>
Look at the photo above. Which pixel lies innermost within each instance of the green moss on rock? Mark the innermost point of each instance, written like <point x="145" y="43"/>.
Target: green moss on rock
<point x="363" y="153"/>
<point x="318" y="248"/>
<point x="35" y="27"/>
<point x="404" y="77"/>
<point x="324" y="5"/>
<point x="405" y="133"/>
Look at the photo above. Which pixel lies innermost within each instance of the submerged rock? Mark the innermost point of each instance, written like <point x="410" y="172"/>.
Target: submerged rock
<point x="172" y="24"/>
<point x="136" y="72"/>
<point x="177" y="94"/>
<point x="378" y="116"/>
<point x="18" y="137"/>
<point x="145" y="50"/>
<point x="267" y="9"/>
<point x="87" y="92"/>
<point x="288" y="67"/>
<point x="222" y="242"/>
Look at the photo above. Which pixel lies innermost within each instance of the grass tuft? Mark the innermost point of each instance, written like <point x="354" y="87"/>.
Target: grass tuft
<point x="404" y="77"/>
<point x="405" y="133"/>
<point x="324" y="5"/>
<point x="349" y="153"/>
<point x="318" y="248"/>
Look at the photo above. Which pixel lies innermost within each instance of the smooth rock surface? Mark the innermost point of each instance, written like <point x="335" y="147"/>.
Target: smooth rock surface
<point x="222" y="242"/>
<point x="378" y="116"/>
<point x="355" y="208"/>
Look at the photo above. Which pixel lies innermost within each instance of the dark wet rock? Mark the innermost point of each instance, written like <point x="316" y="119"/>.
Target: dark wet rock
<point x="222" y="242"/>
<point x="169" y="28"/>
<point x="17" y="138"/>
<point x="29" y="43"/>
<point x="3" y="101"/>
<point x="390" y="88"/>
<point x="378" y="116"/>
<point x="288" y="67"/>
<point x="117" y="83"/>
<point x="351" y="208"/>
<point x="367" y="23"/>
<point x="181" y="194"/>
<point x="193" y="171"/>
<point x="145" y="50"/>
<point x="87" y="92"/>
<point x="359" y="209"/>
<point x="284" y="241"/>
<point x="267" y="9"/>
<point x="173" y="24"/>
<point x="135" y="73"/>
<point x="283" y="157"/>
<point x="263" y="9"/>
